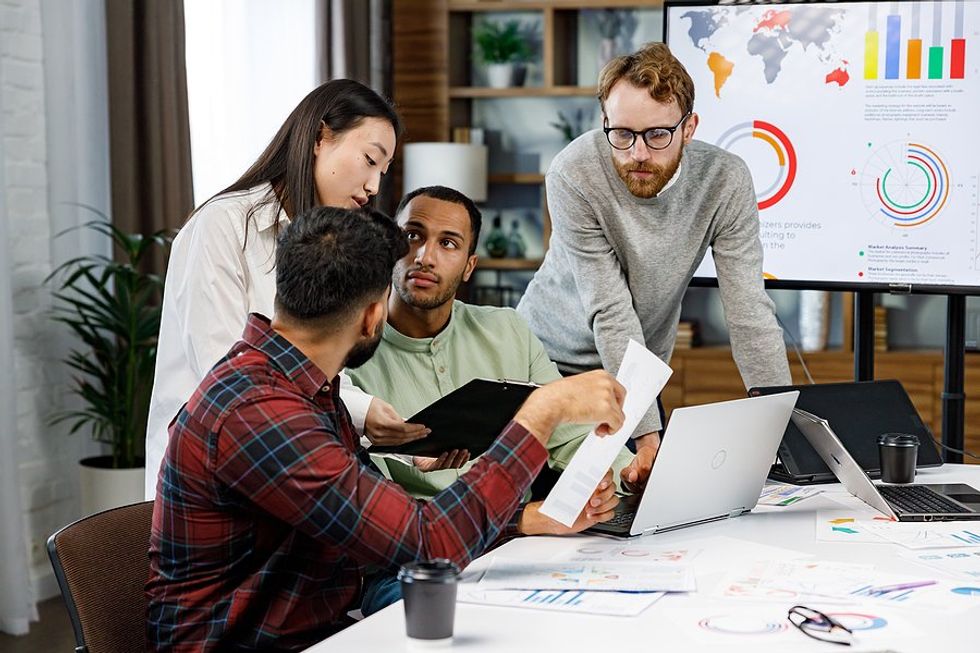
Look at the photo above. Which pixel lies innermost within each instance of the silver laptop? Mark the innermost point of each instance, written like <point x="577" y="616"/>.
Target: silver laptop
<point x="941" y="502"/>
<point x="712" y="465"/>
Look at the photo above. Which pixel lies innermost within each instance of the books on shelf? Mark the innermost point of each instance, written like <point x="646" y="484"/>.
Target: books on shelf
<point x="881" y="328"/>
<point x="468" y="135"/>
<point x="688" y="335"/>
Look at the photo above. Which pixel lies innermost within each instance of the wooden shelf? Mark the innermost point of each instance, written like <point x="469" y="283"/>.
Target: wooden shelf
<point x="520" y="91"/>
<point x="529" y="178"/>
<point x="532" y="5"/>
<point x="486" y="263"/>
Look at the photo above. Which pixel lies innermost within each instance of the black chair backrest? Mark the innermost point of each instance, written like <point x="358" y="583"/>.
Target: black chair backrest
<point x="102" y="566"/>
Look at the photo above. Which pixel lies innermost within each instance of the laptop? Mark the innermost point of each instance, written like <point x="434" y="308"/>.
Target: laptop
<point x="712" y="465"/>
<point x="940" y="502"/>
<point x="859" y="413"/>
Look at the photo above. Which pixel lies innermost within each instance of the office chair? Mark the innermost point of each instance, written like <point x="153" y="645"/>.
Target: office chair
<point x="101" y="564"/>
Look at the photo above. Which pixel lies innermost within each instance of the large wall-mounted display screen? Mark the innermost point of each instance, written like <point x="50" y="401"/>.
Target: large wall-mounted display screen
<point x="860" y="122"/>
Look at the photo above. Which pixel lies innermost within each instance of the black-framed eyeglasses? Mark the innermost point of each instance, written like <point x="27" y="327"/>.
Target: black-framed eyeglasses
<point x="819" y="626"/>
<point x="656" y="138"/>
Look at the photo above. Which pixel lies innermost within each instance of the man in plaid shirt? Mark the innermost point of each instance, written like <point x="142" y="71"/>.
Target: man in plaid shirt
<point x="267" y="510"/>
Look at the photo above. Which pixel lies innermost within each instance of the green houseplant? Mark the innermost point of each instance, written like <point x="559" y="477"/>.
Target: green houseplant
<point x="502" y="46"/>
<point x="112" y="306"/>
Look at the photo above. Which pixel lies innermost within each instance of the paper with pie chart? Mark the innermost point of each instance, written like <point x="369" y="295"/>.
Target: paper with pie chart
<point x="518" y="574"/>
<point x="857" y="123"/>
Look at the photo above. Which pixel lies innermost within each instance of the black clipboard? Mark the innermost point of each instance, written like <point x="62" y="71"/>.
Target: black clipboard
<point x="470" y="417"/>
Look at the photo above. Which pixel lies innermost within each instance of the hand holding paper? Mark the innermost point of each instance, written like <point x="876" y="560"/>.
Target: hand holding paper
<point x="561" y="402"/>
<point x="644" y="376"/>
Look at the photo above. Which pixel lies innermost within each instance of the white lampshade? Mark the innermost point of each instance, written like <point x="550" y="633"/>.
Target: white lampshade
<point x="460" y="166"/>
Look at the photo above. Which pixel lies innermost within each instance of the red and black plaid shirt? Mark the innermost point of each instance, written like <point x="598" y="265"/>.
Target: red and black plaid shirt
<point x="267" y="509"/>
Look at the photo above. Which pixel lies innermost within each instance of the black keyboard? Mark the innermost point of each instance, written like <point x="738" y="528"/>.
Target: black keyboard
<point x="624" y="519"/>
<point x="918" y="499"/>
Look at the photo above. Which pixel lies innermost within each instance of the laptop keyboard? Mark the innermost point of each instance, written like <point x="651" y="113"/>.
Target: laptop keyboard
<point x="624" y="518"/>
<point x="917" y="499"/>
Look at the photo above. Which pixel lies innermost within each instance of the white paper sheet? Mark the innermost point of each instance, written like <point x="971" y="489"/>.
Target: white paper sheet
<point x="643" y="552"/>
<point x="782" y="494"/>
<point x="935" y="535"/>
<point x="848" y="525"/>
<point x="796" y="581"/>
<point x="594" y="576"/>
<point x="955" y="562"/>
<point x="617" y="604"/>
<point x="644" y="376"/>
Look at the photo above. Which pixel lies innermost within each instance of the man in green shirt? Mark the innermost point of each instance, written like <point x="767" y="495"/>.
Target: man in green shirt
<point x="432" y="344"/>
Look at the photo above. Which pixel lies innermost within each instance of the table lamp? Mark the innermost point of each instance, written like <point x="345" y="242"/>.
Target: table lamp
<point x="460" y="166"/>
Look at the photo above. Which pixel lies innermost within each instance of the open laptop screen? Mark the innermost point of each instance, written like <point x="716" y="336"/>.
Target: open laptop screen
<point x="858" y="412"/>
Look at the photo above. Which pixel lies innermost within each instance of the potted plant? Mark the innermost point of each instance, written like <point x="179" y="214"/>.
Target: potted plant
<point x="504" y="50"/>
<point x="112" y="305"/>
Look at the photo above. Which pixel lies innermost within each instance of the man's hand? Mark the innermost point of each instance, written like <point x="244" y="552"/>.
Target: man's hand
<point x="634" y="476"/>
<point x="600" y="507"/>
<point x="590" y="398"/>
<point x="447" y="460"/>
<point x="384" y="426"/>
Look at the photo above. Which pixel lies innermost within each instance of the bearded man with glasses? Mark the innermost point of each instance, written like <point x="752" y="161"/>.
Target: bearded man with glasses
<point x="634" y="208"/>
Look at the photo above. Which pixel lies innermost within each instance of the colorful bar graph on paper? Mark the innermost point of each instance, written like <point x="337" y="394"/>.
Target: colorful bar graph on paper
<point x="935" y="62"/>
<point x="893" y="44"/>
<point x="871" y="55"/>
<point x="957" y="59"/>
<point x="914" y="59"/>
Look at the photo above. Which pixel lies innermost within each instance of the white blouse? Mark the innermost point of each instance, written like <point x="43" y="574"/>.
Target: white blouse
<point x="212" y="285"/>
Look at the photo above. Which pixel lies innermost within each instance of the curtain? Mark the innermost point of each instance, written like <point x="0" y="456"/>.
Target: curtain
<point x="17" y="607"/>
<point x="150" y="149"/>
<point x="354" y="42"/>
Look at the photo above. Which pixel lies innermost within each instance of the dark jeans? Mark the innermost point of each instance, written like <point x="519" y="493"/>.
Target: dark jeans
<point x="380" y="590"/>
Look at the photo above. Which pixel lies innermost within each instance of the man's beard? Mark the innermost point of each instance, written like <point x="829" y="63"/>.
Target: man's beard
<point x="426" y="303"/>
<point x="363" y="351"/>
<point x="649" y="187"/>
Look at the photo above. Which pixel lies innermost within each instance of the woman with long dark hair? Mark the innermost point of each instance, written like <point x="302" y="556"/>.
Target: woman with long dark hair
<point x="332" y="150"/>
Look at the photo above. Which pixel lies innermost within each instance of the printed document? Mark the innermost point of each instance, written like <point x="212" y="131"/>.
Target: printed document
<point x="644" y="376"/>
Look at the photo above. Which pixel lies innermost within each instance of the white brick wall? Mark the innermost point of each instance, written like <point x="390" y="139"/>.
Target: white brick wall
<point x="46" y="455"/>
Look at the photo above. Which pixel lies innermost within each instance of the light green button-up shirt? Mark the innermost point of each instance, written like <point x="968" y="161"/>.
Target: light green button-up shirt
<point x="478" y="342"/>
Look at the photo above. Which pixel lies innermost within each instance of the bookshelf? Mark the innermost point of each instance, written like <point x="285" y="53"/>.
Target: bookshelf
<point x="440" y="89"/>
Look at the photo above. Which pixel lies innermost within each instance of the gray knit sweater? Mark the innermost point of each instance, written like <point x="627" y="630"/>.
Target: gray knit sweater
<point x="617" y="265"/>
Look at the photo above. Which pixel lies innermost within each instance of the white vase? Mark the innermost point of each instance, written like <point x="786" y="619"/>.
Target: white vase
<point x="103" y="488"/>
<point x="500" y="75"/>
<point x="814" y="319"/>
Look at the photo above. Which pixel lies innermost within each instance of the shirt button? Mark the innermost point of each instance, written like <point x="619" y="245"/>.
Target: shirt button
<point x="442" y="370"/>
<point x="325" y="389"/>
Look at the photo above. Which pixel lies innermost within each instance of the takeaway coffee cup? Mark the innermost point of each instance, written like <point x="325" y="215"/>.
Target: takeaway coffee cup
<point x="897" y="453"/>
<point x="429" y="591"/>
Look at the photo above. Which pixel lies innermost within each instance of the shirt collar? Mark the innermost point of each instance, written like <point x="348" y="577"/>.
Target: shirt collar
<point x="265" y="216"/>
<point x="299" y="369"/>
<point x="670" y="182"/>
<point x="399" y="340"/>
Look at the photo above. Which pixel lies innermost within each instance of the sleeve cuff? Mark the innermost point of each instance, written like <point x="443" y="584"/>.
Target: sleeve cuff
<point x="357" y="401"/>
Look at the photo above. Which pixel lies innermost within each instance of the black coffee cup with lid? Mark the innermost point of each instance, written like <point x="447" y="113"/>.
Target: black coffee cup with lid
<point x="429" y="593"/>
<point x="897" y="453"/>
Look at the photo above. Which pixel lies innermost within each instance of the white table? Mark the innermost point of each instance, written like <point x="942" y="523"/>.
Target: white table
<point x="666" y="626"/>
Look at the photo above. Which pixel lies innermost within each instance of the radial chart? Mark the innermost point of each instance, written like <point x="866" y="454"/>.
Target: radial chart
<point x="782" y="149"/>
<point x="905" y="184"/>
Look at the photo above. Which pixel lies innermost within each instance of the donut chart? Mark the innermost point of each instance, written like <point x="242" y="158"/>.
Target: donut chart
<point x="907" y="184"/>
<point x="782" y="148"/>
